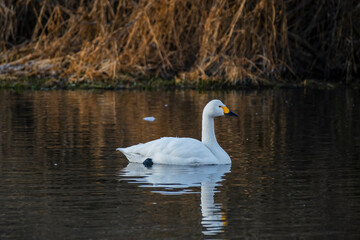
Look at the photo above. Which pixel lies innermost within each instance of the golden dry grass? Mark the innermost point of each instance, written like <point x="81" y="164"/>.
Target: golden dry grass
<point x="236" y="42"/>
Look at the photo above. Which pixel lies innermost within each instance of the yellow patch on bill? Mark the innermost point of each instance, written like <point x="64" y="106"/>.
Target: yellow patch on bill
<point x="225" y="109"/>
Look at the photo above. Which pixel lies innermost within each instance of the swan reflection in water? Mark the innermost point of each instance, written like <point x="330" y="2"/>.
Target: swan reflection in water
<point x="177" y="180"/>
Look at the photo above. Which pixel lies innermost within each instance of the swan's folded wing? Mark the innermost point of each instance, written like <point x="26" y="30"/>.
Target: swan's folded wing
<point x="171" y="150"/>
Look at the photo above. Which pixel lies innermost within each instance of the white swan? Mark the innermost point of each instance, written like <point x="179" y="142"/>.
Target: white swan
<point x="185" y="151"/>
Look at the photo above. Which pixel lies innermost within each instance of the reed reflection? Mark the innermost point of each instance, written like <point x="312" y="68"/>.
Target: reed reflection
<point x="177" y="180"/>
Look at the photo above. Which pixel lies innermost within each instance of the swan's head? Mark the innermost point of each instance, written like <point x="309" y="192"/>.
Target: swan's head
<point x="215" y="108"/>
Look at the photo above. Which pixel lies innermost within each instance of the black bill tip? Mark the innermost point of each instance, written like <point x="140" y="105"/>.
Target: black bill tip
<point x="230" y="113"/>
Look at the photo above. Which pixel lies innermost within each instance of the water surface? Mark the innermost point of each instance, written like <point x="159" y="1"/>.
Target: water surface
<point x="295" y="171"/>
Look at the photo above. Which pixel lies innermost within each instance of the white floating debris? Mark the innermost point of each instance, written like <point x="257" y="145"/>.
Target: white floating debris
<point x="166" y="105"/>
<point x="150" y="119"/>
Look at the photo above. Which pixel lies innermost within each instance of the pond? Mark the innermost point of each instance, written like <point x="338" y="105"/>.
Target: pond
<point x="295" y="171"/>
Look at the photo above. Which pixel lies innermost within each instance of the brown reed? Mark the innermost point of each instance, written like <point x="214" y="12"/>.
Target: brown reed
<point x="234" y="42"/>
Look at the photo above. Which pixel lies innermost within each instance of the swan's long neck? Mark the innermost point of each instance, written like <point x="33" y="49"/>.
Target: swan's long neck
<point x="208" y="137"/>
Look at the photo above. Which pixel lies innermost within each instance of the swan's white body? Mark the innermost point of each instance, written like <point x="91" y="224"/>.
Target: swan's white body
<point x="185" y="151"/>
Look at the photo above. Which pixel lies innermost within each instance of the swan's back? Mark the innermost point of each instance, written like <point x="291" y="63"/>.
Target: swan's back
<point x="171" y="150"/>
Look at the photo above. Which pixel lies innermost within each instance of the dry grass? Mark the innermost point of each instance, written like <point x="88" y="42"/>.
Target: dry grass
<point x="238" y="42"/>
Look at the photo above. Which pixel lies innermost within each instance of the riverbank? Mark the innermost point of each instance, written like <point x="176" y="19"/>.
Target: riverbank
<point x="8" y="82"/>
<point x="213" y="43"/>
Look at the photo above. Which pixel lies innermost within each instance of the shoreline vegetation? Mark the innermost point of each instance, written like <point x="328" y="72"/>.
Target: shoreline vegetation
<point x="35" y="83"/>
<point x="165" y="44"/>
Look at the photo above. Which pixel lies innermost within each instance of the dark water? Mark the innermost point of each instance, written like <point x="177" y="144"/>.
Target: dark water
<point x="295" y="170"/>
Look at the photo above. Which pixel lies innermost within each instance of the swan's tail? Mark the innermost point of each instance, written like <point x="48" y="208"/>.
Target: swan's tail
<point x="132" y="156"/>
